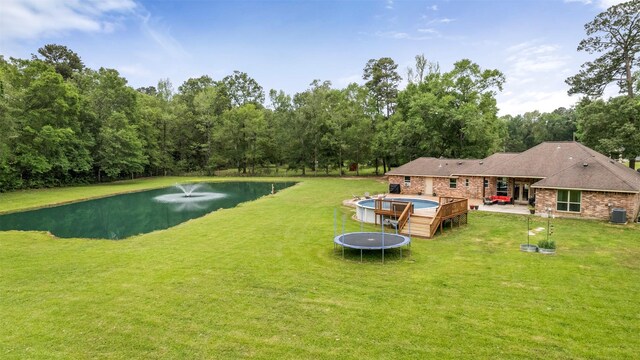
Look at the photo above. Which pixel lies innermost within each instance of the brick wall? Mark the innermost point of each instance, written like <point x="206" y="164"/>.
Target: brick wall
<point x="593" y="204"/>
<point x="416" y="184"/>
<point x="441" y="186"/>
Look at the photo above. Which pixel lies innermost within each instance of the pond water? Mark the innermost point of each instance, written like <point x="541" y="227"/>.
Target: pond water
<point x="121" y="216"/>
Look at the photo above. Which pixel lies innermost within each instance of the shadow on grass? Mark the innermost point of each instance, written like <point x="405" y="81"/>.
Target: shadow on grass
<point x="372" y="256"/>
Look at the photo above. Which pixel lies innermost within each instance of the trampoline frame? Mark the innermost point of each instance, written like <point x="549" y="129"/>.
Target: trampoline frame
<point x="405" y="240"/>
<point x="337" y="237"/>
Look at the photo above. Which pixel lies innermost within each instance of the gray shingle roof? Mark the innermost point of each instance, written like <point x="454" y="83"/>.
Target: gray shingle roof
<point x="558" y="164"/>
<point x="428" y="166"/>
<point x="480" y="167"/>
<point x="600" y="173"/>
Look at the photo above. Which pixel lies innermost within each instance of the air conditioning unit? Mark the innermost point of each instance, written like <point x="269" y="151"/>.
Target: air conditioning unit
<point x="618" y="216"/>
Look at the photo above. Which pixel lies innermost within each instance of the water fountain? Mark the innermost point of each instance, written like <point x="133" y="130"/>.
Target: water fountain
<point x="189" y="195"/>
<point x="187" y="189"/>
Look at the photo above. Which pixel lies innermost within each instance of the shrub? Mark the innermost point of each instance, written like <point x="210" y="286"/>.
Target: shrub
<point x="547" y="244"/>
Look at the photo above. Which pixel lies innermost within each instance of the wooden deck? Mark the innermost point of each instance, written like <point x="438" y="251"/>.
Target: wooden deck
<point x="451" y="211"/>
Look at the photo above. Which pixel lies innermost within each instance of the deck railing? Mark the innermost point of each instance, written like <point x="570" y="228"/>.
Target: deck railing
<point x="404" y="217"/>
<point x="393" y="208"/>
<point x="449" y="208"/>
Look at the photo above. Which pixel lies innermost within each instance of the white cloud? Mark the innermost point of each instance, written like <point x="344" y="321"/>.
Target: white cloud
<point x="346" y="80"/>
<point x="389" y="4"/>
<point x="603" y="4"/>
<point x="30" y="19"/>
<point x="135" y="70"/>
<point x="535" y="73"/>
<point x="520" y="102"/>
<point x="400" y="35"/>
<point x="531" y="57"/>
<point x="428" y="31"/>
<point x="434" y="7"/>
<point x="162" y="38"/>
<point x="440" y="21"/>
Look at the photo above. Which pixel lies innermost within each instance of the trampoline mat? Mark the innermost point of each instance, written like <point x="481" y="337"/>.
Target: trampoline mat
<point x="371" y="240"/>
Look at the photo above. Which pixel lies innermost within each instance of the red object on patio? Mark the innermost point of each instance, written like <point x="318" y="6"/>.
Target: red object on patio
<point x="501" y="198"/>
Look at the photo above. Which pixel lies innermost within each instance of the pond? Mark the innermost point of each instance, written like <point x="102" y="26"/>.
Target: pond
<point x="121" y="216"/>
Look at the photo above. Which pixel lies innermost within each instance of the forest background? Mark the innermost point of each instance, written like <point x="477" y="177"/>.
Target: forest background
<point x="63" y="123"/>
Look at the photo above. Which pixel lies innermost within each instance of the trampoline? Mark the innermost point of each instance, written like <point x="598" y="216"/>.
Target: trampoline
<point x="371" y="241"/>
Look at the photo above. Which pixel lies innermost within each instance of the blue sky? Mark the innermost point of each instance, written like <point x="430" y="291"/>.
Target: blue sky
<point x="287" y="44"/>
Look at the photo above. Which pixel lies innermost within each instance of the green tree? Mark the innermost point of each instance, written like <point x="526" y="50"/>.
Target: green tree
<point x="616" y="34"/>
<point x="243" y="89"/>
<point x="243" y="129"/>
<point x="611" y="127"/>
<point x="279" y="120"/>
<point x="451" y="114"/>
<point x="111" y="113"/>
<point x="8" y="180"/>
<point x="520" y="132"/>
<point x="558" y="125"/>
<point x="47" y="148"/>
<point x="121" y="150"/>
<point x="210" y="104"/>
<point x="355" y="132"/>
<point x="64" y="60"/>
<point x="382" y="80"/>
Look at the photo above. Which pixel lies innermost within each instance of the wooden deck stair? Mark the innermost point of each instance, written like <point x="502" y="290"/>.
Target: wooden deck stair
<point x="420" y="226"/>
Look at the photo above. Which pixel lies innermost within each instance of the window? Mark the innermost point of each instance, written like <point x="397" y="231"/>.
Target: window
<point x="569" y="200"/>
<point x="466" y="182"/>
<point x="503" y="187"/>
<point x="453" y="183"/>
<point x="486" y="183"/>
<point x="407" y="181"/>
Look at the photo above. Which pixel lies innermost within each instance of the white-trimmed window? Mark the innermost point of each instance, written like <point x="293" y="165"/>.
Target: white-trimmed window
<point x="407" y="181"/>
<point x="486" y="183"/>
<point x="466" y="182"/>
<point x="453" y="183"/>
<point x="569" y="200"/>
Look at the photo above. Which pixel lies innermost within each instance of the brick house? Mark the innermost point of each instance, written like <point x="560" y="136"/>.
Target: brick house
<point x="568" y="178"/>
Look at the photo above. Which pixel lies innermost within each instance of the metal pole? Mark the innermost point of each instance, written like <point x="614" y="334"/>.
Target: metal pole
<point x="335" y="228"/>
<point x="382" y="232"/>
<point x="335" y="223"/>
<point x="528" y="230"/>
<point x="548" y="222"/>
<point x="343" y="218"/>
<point x="383" y="240"/>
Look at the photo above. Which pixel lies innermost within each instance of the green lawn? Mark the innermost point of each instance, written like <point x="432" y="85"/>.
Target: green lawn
<point x="262" y="281"/>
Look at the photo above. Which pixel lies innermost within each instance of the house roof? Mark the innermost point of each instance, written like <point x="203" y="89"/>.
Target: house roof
<point x="558" y="164"/>
<point x="542" y="160"/>
<point x="594" y="172"/>
<point x="428" y="166"/>
<point x="480" y="167"/>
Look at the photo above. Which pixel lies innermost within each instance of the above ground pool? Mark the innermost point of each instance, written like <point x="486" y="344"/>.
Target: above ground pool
<point x="365" y="208"/>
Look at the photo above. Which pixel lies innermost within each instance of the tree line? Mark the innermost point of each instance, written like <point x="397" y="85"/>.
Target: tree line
<point x="63" y="123"/>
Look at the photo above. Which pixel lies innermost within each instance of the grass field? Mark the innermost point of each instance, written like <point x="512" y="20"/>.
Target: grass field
<point x="262" y="281"/>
